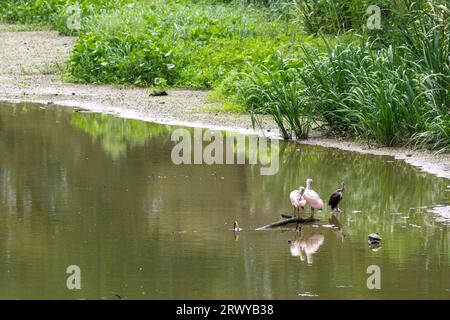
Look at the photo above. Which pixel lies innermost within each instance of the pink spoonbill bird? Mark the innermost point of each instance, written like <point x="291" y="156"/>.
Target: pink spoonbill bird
<point x="297" y="200"/>
<point x="312" y="198"/>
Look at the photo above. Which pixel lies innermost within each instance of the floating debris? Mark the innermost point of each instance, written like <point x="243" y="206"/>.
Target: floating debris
<point x="415" y="225"/>
<point x="344" y="286"/>
<point x="442" y="213"/>
<point x="308" y="294"/>
<point x="118" y="296"/>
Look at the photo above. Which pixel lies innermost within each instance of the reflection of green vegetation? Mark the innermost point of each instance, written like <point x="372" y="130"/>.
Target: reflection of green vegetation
<point x="116" y="134"/>
<point x="53" y="204"/>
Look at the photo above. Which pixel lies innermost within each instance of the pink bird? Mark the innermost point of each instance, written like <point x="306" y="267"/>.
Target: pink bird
<point x="312" y="198"/>
<point x="297" y="200"/>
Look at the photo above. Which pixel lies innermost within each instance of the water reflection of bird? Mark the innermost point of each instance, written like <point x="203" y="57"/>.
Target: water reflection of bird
<point x="309" y="246"/>
<point x="312" y="198"/>
<point x="335" y="198"/>
<point x="297" y="200"/>
<point x="337" y="228"/>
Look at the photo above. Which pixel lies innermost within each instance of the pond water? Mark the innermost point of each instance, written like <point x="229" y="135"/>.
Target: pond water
<point x="102" y="193"/>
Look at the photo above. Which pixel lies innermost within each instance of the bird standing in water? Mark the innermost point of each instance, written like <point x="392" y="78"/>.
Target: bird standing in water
<point x="312" y="198"/>
<point x="335" y="198"/>
<point x="297" y="200"/>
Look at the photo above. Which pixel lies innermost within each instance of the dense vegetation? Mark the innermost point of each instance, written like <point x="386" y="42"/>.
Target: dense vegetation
<point x="303" y="62"/>
<point x="393" y="89"/>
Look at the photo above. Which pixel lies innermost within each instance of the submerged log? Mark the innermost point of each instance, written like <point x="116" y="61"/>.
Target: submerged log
<point x="288" y="220"/>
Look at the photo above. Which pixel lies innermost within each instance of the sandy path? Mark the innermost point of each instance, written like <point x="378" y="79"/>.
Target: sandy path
<point x="30" y="67"/>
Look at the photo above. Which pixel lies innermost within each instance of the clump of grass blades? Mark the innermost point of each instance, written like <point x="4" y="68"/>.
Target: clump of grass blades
<point x="362" y="92"/>
<point x="277" y="93"/>
<point x="392" y="95"/>
<point x="55" y="13"/>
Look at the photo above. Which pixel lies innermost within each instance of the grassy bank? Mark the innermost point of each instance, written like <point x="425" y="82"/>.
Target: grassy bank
<point x="176" y="42"/>
<point x="188" y="46"/>
<point x="389" y="87"/>
<point x="311" y="62"/>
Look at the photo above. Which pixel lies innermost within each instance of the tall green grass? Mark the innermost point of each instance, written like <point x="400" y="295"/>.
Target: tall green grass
<point x="54" y="13"/>
<point x="395" y="94"/>
<point x="276" y="91"/>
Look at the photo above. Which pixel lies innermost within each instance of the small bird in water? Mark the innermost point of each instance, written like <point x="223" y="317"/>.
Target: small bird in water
<point x="335" y="198"/>
<point x="236" y="227"/>
<point x="297" y="200"/>
<point x="312" y="198"/>
<point x="374" y="239"/>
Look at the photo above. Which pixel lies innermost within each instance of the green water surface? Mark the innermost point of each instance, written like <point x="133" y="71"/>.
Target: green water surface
<point x="102" y="193"/>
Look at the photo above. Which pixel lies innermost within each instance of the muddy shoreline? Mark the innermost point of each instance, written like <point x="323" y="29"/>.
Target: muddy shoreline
<point x="436" y="164"/>
<point x="30" y="66"/>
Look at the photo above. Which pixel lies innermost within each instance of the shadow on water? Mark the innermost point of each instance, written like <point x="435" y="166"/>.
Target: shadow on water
<point x="102" y="193"/>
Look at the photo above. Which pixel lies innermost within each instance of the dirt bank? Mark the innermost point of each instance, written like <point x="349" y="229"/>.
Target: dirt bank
<point x="31" y="63"/>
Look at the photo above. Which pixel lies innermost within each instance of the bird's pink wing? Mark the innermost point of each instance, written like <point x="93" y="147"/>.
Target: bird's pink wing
<point x="294" y="197"/>
<point x="313" y="199"/>
<point x="302" y="203"/>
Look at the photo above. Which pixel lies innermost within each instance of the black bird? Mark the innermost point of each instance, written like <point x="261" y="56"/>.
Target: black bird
<point x="335" y="198"/>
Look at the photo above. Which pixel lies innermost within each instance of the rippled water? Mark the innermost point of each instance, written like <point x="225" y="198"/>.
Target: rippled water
<point x="102" y="193"/>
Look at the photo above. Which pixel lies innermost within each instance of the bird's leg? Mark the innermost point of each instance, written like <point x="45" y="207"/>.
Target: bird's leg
<point x="312" y="213"/>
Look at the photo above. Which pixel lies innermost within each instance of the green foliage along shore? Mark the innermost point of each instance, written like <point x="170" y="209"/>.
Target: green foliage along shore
<point x="393" y="90"/>
<point x="303" y="62"/>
